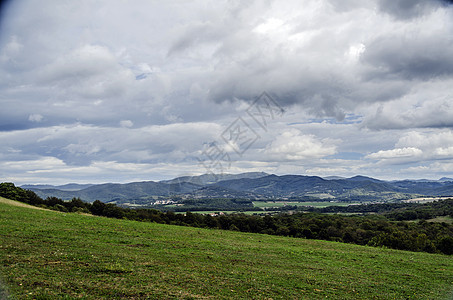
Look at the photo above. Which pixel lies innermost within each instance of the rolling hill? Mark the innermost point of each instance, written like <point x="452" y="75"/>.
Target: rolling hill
<point x="253" y="186"/>
<point x="52" y="255"/>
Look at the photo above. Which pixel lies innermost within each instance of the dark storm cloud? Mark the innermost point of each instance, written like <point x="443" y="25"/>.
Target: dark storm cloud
<point x="3" y="7"/>
<point x="410" y="57"/>
<point x="407" y="9"/>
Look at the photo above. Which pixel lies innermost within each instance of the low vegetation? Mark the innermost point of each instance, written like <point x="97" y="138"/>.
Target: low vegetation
<point x="54" y="255"/>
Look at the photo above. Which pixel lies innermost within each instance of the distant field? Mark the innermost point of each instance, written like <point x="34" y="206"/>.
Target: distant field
<point x="51" y="255"/>
<point x="446" y="219"/>
<point x="320" y="204"/>
<point x="206" y="212"/>
<point x="425" y="199"/>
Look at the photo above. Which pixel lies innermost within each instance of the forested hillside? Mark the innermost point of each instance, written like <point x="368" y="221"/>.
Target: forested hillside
<point x="251" y="186"/>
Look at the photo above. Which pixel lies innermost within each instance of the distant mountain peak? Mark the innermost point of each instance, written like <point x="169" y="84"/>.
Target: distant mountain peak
<point x="251" y="185"/>
<point x="361" y="177"/>
<point x="333" y="177"/>
<point x="446" y="179"/>
<point x="213" y="178"/>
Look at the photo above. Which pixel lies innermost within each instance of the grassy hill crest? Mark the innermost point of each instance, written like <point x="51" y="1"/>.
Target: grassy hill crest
<point x="46" y="254"/>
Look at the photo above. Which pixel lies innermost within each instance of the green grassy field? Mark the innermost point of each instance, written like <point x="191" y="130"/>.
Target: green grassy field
<point x="52" y="255"/>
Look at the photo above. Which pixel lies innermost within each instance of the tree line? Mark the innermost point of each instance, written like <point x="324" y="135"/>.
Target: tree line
<point x="396" y="211"/>
<point x="371" y="230"/>
<point x="209" y="204"/>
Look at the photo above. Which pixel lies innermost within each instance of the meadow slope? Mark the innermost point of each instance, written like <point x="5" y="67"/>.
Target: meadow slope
<point x="52" y="255"/>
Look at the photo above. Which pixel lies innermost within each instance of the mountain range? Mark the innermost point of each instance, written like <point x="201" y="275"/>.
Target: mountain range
<point x="253" y="185"/>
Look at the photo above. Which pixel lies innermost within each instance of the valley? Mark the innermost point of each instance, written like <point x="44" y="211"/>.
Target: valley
<point x="248" y="191"/>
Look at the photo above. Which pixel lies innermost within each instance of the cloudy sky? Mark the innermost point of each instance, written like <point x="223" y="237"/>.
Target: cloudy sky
<point x="121" y="91"/>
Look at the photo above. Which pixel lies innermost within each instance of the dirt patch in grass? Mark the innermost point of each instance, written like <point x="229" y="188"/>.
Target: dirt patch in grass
<point x="3" y="291"/>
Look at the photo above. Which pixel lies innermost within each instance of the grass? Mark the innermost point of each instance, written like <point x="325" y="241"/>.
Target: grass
<point x="51" y="255"/>
<point x="440" y="219"/>
<point x="320" y="204"/>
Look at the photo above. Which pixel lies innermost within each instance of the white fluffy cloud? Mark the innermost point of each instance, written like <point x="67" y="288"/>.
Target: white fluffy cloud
<point x="398" y="153"/>
<point x="420" y="147"/>
<point x="292" y="145"/>
<point x="35" y="118"/>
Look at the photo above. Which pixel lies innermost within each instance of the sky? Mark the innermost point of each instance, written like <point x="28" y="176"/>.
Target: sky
<point x="123" y="91"/>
